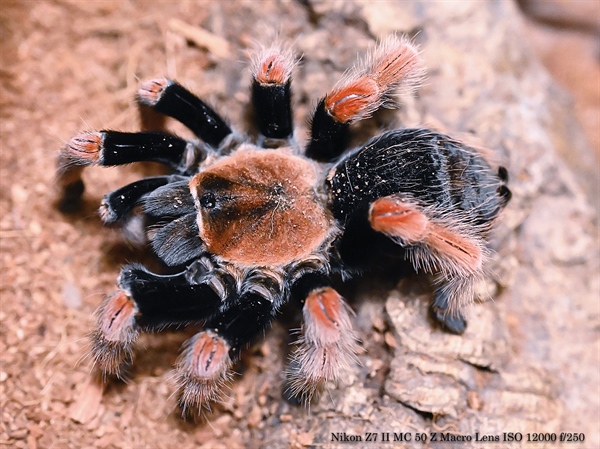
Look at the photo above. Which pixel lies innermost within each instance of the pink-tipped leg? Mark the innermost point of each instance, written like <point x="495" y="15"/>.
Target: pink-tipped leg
<point x="115" y="334"/>
<point x="202" y="370"/>
<point x="435" y="246"/>
<point x="327" y="345"/>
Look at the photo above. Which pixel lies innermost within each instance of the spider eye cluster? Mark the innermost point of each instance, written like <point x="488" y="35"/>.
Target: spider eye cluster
<point x="208" y="200"/>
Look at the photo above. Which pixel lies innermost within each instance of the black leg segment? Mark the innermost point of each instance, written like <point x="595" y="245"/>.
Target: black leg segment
<point x="272" y="107"/>
<point x="164" y="300"/>
<point x="172" y="99"/>
<point x="120" y="148"/>
<point x="110" y="148"/>
<point x="242" y="320"/>
<point x="329" y="137"/>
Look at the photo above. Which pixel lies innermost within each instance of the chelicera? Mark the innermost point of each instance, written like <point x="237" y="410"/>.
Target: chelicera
<point x="249" y="226"/>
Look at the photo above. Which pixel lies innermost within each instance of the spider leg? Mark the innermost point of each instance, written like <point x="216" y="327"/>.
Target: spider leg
<point x="434" y="246"/>
<point x="110" y="148"/>
<point x="167" y="202"/>
<point x="172" y="99"/>
<point x="449" y="317"/>
<point x="202" y="370"/>
<point x="372" y="83"/>
<point x="271" y="92"/>
<point x="118" y="204"/>
<point x="327" y="345"/>
<point x="147" y="301"/>
<point x="204" y="364"/>
<point x="171" y="200"/>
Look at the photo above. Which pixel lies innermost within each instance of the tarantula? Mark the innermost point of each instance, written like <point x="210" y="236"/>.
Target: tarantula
<point x="250" y="226"/>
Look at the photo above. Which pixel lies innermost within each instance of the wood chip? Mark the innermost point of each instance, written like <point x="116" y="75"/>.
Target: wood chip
<point x="305" y="438"/>
<point x="86" y="406"/>
<point x="31" y="442"/>
<point x="379" y="325"/>
<point x="390" y="340"/>
<point x="202" y="38"/>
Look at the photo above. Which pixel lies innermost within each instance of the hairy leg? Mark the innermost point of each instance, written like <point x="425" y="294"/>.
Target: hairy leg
<point x="327" y="345"/>
<point x="433" y="246"/>
<point x="146" y="301"/>
<point x="172" y="99"/>
<point x="204" y="365"/>
<point x="394" y="66"/>
<point x="271" y="91"/>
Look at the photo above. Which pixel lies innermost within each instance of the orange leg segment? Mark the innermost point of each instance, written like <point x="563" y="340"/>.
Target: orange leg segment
<point x="202" y="369"/>
<point x="326" y="347"/>
<point x="115" y="335"/>
<point x="404" y="221"/>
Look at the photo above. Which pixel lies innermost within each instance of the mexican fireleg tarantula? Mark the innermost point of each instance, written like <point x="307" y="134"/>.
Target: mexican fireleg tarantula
<point x="253" y="227"/>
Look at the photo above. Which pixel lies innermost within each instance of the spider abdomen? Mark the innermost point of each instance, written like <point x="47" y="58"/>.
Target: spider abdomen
<point x="259" y="208"/>
<point x="428" y="168"/>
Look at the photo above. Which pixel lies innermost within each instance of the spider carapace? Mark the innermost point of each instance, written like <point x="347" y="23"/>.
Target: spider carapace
<point x="248" y="226"/>
<point x="278" y="217"/>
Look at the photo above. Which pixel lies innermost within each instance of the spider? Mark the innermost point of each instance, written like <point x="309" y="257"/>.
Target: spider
<point x="250" y="225"/>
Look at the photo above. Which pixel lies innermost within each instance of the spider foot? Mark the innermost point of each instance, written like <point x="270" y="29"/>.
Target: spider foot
<point x="327" y="346"/>
<point x="115" y="334"/>
<point x="84" y="148"/>
<point x="452" y="323"/>
<point x="202" y="370"/>
<point x="151" y="91"/>
<point x="446" y="307"/>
